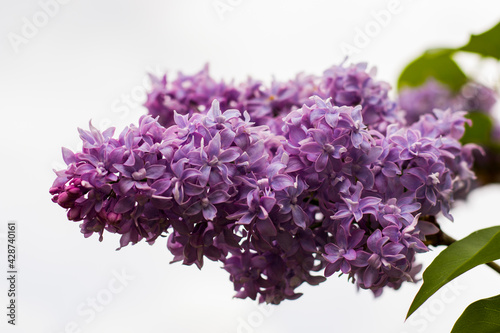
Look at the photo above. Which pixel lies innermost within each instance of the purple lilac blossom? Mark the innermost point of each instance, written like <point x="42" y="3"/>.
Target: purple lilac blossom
<point x="472" y="97"/>
<point x="347" y="86"/>
<point x="338" y="184"/>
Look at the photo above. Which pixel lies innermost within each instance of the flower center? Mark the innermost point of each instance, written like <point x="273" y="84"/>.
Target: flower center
<point x="214" y="161"/>
<point x="139" y="175"/>
<point x="329" y="148"/>
<point x="263" y="183"/>
<point x="392" y="209"/>
<point x="415" y="147"/>
<point x="101" y="170"/>
<point x="434" y="178"/>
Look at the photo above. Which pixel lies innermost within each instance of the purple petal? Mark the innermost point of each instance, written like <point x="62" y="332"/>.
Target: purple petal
<point x="418" y="172"/>
<point x="296" y="134"/>
<point x="68" y="156"/>
<point x="124" y="205"/>
<point x="266" y="227"/>
<point x="350" y="255"/>
<point x="319" y="136"/>
<point x="321" y="162"/>
<point x="161" y="185"/>
<point x="311" y="148"/>
<point x="213" y="148"/>
<point x="427" y="228"/>
<point x="399" y="140"/>
<point x="125" y="185"/>
<point x="192" y="189"/>
<point x="332" y="258"/>
<point x="331" y="269"/>
<point x="218" y="197"/>
<point x="391" y="169"/>
<point x="332" y="118"/>
<point x="142" y="185"/>
<point x="373" y="239"/>
<point x="227" y="136"/>
<point x="365" y="176"/>
<point x="356" y="114"/>
<point x="246" y="219"/>
<point x="209" y="212"/>
<point x="280" y="182"/>
<point x="370" y="276"/>
<point x="357" y="139"/>
<point x="85" y="136"/>
<point x="410" y="208"/>
<point x="345" y="267"/>
<point x="299" y="216"/>
<point x="193" y="209"/>
<point x="341" y="214"/>
<point x="369" y="201"/>
<point x="205" y="174"/>
<point x="412" y="137"/>
<point x="332" y="249"/>
<point x="358" y="215"/>
<point x="411" y="182"/>
<point x="122" y="169"/>
<point x="392" y="249"/>
<point x="155" y="171"/>
<point x="430" y="195"/>
<point x="355" y="238"/>
<point x="267" y="203"/>
<point x="229" y="155"/>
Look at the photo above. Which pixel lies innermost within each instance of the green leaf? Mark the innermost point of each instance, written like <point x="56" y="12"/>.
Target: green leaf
<point x="478" y="248"/>
<point x="482" y="316"/>
<point x="437" y="64"/>
<point x="480" y="131"/>
<point x="486" y="44"/>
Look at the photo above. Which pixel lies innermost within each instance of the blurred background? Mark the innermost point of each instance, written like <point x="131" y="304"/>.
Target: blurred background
<point x="64" y="62"/>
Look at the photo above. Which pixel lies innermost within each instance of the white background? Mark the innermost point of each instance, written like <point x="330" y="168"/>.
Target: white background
<point x="84" y="62"/>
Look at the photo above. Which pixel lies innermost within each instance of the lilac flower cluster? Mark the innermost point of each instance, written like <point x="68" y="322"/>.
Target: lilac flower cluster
<point x="473" y="97"/>
<point x="372" y="189"/>
<point x="345" y="85"/>
<point x="342" y="186"/>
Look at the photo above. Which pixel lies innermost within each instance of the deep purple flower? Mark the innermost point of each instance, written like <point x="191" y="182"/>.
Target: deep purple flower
<point x="291" y="203"/>
<point x="355" y="207"/>
<point x="341" y="254"/>
<point x="384" y="254"/>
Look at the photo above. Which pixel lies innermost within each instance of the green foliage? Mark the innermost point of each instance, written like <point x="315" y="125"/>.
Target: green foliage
<point x="480" y="131"/>
<point x="436" y="64"/>
<point x="482" y="316"/>
<point x="486" y="44"/>
<point x="478" y="248"/>
<point x="439" y="63"/>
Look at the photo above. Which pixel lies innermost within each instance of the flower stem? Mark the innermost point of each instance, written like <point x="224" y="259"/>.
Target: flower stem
<point x="494" y="266"/>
